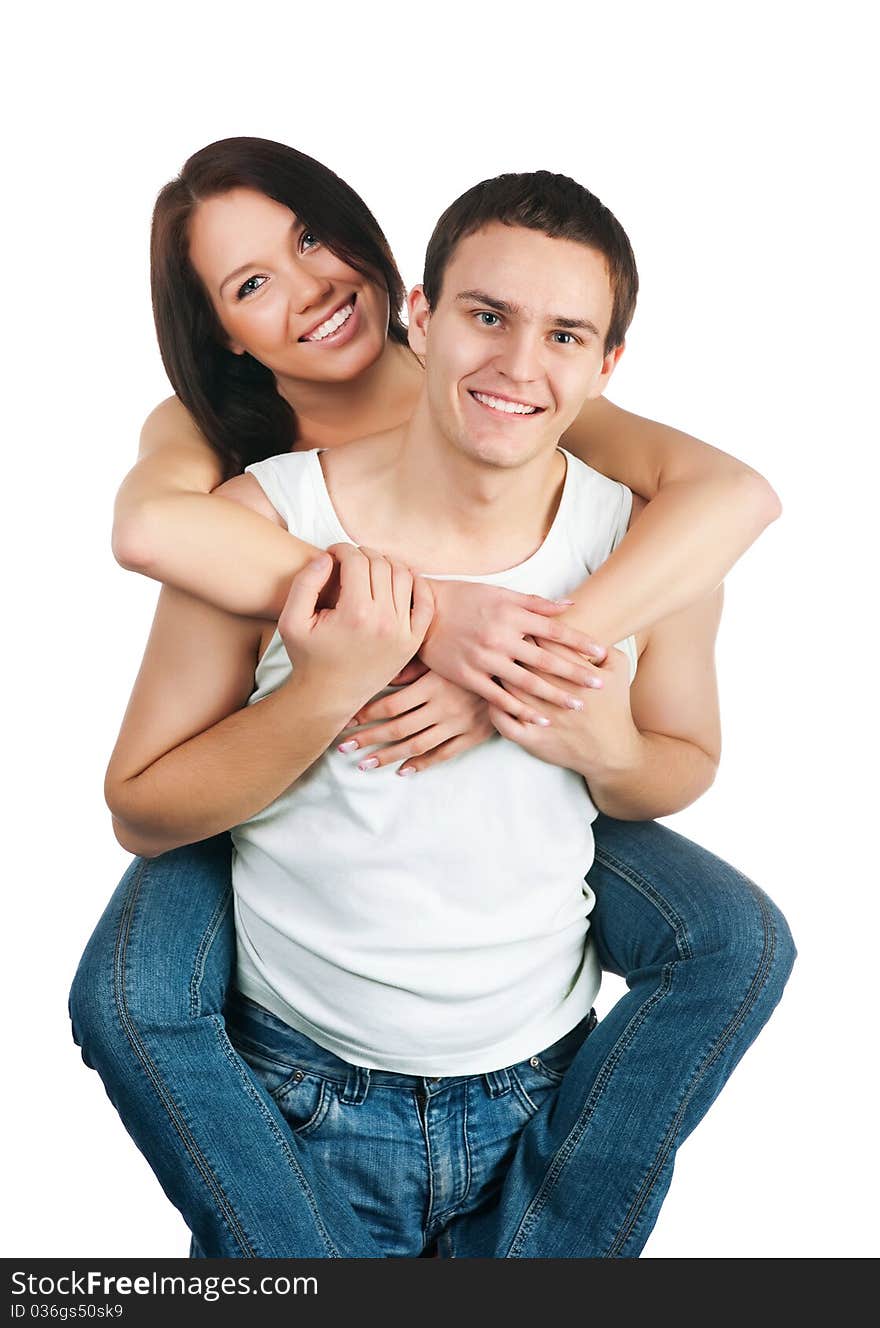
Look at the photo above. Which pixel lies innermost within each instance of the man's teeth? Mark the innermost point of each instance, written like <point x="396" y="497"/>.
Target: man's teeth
<point x="509" y="407"/>
<point x="340" y="317"/>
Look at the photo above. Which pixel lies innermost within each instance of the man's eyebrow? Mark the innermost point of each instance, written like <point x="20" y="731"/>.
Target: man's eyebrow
<point x="505" y="307"/>
<point x="248" y="267"/>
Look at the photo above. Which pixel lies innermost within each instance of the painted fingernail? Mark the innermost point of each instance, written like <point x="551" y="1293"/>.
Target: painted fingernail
<point x="573" y="703"/>
<point x="350" y="746"/>
<point x="539" y="719"/>
<point x="599" y="651"/>
<point x="407" y="770"/>
<point x="592" y="681"/>
<point x="370" y="763"/>
<point x="563" y="601"/>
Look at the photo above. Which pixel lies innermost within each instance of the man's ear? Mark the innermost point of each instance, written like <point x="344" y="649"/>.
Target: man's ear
<point x="419" y="317"/>
<point x="608" y="366"/>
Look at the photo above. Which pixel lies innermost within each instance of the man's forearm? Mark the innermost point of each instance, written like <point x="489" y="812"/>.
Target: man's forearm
<point x="229" y="773"/>
<point x="654" y="776"/>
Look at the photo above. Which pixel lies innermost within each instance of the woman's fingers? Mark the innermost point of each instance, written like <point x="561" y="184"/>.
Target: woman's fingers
<point x="401" y="587"/>
<point x="380" y="575"/>
<point x="422" y="607"/>
<point x="389" y="730"/>
<point x="565" y="636"/>
<point x="354" y="574"/>
<point x="510" y="704"/>
<point x="452" y="747"/>
<point x="397" y="703"/>
<point x="534" y="685"/>
<point x="305" y="588"/>
<point x="580" y="671"/>
<point x="410" y="672"/>
<point x="416" y="745"/>
<point x="505" y="724"/>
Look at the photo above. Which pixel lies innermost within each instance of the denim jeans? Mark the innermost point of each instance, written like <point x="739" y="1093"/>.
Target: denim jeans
<point x="705" y="955"/>
<point x="413" y="1155"/>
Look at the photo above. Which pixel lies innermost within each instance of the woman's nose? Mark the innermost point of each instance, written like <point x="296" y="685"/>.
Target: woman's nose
<point x="307" y="289"/>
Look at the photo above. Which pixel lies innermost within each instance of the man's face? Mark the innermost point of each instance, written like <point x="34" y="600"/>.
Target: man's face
<point x="514" y="346"/>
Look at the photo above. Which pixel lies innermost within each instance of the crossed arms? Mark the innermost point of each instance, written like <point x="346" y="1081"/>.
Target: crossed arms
<point x="192" y="759"/>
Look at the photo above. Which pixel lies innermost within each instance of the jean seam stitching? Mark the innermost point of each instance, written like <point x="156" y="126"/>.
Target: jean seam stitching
<point x="522" y="1093"/>
<point x="208" y="938"/>
<point x="447" y="1213"/>
<point x="645" y="888"/>
<point x="151" y="1070"/>
<point x="756" y="985"/>
<point x="292" y="1161"/>
<point x="539" y="1202"/>
<point x="423" y="1120"/>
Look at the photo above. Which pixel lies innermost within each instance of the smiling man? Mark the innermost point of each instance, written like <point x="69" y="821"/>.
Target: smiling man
<point x="416" y="970"/>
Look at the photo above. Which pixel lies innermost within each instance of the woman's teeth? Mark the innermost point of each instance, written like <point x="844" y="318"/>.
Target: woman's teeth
<point x="332" y="324"/>
<point x="509" y="407"/>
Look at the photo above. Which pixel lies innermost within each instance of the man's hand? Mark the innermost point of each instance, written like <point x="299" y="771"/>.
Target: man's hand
<point x="378" y="623"/>
<point x="599" y="735"/>
<point x="483" y="636"/>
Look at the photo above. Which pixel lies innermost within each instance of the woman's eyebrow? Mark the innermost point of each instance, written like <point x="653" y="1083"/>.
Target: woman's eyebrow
<point x="505" y="307"/>
<point x="245" y="267"/>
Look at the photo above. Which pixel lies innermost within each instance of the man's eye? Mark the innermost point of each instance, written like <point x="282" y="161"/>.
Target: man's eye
<point x="569" y="339"/>
<point x="308" y="240"/>
<point x="248" y="287"/>
<point x="494" y="320"/>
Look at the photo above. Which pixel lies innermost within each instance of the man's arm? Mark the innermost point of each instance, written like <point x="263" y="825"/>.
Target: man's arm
<point x="670" y="753"/>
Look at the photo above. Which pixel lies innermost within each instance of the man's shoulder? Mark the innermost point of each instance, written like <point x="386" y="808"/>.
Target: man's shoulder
<point x="361" y="458"/>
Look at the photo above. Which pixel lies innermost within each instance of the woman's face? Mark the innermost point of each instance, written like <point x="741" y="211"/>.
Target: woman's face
<point x="281" y="295"/>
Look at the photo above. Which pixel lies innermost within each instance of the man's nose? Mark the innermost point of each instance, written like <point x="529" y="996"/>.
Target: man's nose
<point x="520" y="357"/>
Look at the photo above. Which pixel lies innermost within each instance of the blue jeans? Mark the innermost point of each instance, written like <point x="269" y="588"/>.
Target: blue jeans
<point x="705" y="955"/>
<point x="414" y="1155"/>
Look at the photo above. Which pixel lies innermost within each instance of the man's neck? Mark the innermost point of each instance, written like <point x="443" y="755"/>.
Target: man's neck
<point x="380" y="397"/>
<point x="414" y="495"/>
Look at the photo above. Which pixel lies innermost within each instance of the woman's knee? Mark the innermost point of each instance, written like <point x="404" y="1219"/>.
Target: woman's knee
<point x="679" y="901"/>
<point x="163" y="951"/>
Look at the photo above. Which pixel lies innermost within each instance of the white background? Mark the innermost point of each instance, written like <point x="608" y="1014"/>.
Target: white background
<point x="735" y="144"/>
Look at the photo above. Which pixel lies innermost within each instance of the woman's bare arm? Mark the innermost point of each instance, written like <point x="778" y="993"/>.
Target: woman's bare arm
<point x="170" y="525"/>
<point x="192" y="759"/>
<point x="705" y="510"/>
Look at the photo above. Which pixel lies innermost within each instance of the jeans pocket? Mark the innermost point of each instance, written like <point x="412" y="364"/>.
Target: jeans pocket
<point x="303" y="1097"/>
<point x="551" y="1065"/>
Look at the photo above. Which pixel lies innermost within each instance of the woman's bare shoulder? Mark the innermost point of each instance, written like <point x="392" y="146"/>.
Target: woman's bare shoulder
<point x="170" y="423"/>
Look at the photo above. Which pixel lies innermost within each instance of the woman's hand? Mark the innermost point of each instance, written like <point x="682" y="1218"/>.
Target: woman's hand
<point x="482" y="636"/>
<point x="424" y="723"/>
<point x="376" y="626"/>
<point x="593" y="739"/>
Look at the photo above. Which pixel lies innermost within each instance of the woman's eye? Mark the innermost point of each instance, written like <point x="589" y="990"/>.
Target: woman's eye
<point x="248" y="287"/>
<point x="308" y="240"/>
<point x="569" y="339"/>
<point x="494" y="320"/>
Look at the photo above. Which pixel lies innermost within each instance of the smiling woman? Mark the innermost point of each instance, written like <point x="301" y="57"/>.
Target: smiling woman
<point x="231" y="228"/>
<point x="277" y="305"/>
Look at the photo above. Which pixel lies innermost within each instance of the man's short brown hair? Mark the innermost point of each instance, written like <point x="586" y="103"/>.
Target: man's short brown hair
<point x="553" y="204"/>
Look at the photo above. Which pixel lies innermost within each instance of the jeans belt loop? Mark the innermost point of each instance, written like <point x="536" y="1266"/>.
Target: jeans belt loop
<point x="497" y="1083"/>
<point x="357" y="1085"/>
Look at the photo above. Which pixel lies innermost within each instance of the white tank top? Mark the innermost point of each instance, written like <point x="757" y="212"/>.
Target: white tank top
<point x="435" y="925"/>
